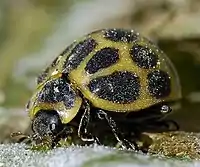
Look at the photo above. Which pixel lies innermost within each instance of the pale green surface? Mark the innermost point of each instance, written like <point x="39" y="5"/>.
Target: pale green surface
<point x="96" y="156"/>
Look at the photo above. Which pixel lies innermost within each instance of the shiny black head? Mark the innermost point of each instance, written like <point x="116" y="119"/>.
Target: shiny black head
<point x="47" y="123"/>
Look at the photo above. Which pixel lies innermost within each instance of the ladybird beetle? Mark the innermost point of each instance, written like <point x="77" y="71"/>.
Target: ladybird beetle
<point x="113" y="70"/>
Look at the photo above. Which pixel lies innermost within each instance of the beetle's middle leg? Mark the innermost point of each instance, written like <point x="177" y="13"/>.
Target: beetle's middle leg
<point x="83" y="125"/>
<point x="119" y="137"/>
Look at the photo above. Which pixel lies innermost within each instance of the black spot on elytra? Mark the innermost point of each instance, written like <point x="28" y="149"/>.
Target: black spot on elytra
<point x="159" y="84"/>
<point x="78" y="53"/>
<point x="102" y="59"/>
<point x="119" y="87"/>
<point x="144" y="57"/>
<point x="120" y="35"/>
<point x="57" y="90"/>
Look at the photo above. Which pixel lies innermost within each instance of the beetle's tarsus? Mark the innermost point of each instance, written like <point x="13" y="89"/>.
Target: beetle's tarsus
<point x="87" y="137"/>
<point x="129" y="145"/>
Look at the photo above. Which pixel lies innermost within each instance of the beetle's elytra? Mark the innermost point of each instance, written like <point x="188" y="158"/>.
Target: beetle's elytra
<point x="112" y="70"/>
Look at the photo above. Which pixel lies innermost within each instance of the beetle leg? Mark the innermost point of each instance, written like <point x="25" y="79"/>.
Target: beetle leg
<point x="124" y="142"/>
<point x="83" y="126"/>
<point x="164" y="125"/>
<point x="172" y="125"/>
<point x="20" y="137"/>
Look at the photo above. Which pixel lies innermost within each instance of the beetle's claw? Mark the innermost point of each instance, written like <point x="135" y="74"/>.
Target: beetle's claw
<point x="125" y="144"/>
<point x="87" y="138"/>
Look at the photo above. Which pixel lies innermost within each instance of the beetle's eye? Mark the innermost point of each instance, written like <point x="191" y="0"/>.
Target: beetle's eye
<point x="52" y="127"/>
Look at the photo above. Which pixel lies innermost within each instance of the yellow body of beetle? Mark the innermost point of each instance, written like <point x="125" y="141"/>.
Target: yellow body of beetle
<point x="115" y="70"/>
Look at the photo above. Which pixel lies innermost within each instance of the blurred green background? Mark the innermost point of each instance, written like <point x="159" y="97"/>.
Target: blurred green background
<point x="34" y="32"/>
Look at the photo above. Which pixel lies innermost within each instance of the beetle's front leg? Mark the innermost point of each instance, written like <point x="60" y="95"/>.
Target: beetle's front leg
<point x="83" y="125"/>
<point x="119" y="137"/>
<point x="20" y="137"/>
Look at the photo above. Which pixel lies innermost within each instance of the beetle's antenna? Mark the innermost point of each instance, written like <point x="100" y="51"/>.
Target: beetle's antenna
<point x="21" y="137"/>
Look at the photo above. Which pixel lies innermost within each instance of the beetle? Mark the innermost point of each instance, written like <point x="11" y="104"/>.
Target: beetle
<point x="112" y="70"/>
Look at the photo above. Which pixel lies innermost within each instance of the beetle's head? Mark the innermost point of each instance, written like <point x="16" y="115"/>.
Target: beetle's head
<point x="47" y="123"/>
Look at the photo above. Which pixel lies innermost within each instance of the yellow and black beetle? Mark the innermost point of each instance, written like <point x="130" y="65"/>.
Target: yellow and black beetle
<point x="113" y="70"/>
